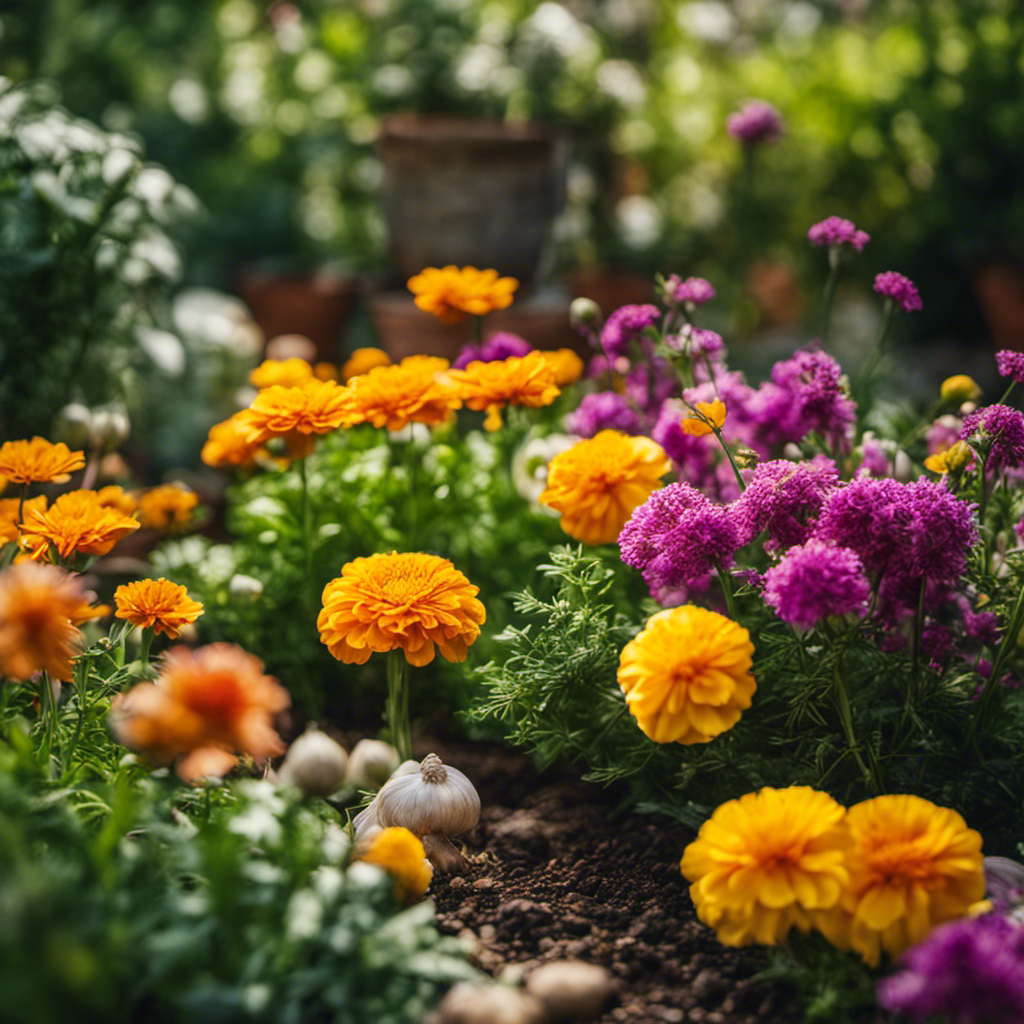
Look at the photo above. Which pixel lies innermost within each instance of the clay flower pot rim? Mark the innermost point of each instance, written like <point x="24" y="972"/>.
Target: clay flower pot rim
<point x="456" y="129"/>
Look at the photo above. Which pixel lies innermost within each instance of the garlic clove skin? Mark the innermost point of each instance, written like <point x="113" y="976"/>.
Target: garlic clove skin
<point x="371" y="764"/>
<point x="438" y="800"/>
<point x="365" y="822"/>
<point x="314" y="764"/>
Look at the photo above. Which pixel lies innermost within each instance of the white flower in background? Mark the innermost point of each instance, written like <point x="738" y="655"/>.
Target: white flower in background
<point x="530" y="464"/>
<point x="639" y="221"/>
<point x="163" y="349"/>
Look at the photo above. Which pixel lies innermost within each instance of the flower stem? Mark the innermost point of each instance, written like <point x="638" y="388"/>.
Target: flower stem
<point x="396" y="711"/>
<point x="730" y="600"/>
<point x="147" y="643"/>
<point x="307" y="523"/>
<point x="49" y="710"/>
<point x="830" y="293"/>
<point x="846" y="718"/>
<point x="729" y="456"/>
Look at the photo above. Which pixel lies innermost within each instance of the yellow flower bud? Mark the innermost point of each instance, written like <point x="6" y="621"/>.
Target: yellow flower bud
<point x="959" y="388"/>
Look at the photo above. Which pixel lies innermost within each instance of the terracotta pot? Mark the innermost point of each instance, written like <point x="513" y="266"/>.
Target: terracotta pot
<point x="999" y="289"/>
<point x="469" y="191"/>
<point x="318" y="306"/>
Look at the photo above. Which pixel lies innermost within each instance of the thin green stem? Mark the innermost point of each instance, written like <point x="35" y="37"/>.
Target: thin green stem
<point x="147" y="644"/>
<point x="1007" y="392"/>
<point x="729" y="456"/>
<point x="846" y="719"/>
<point x="830" y="293"/>
<point x="49" y="712"/>
<point x="307" y="524"/>
<point x="730" y="600"/>
<point x="396" y="711"/>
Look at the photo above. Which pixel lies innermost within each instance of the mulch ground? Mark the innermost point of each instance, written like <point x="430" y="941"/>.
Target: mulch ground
<point x="557" y="875"/>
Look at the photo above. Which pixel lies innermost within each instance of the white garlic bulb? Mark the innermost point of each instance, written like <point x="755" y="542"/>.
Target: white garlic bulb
<point x="314" y="763"/>
<point x="438" y="800"/>
<point x="371" y="764"/>
<point x="365" y="822"/>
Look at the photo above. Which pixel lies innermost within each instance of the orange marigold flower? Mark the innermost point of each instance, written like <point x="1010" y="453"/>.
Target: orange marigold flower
<point x="325" y="370"/>
<point x="296" y="414"/>
<point x="167" y="508"/>
<point x="38" y="462"/>
<point x="158" y="604"/>
<point x="913" y="865"/>
<point x="451" y="293"/>
<point x="517" y="380"/>
<point x="9" y="515"/>
<point x="206" y="707"/>
<point x="707" y="417"/>
<point x="76" y="523"/>
<point x="598" y="482"/>
<point x="289" y="373"/>
<point x="954" y="458"/>
<point x="416" y="390"/>
<point x="118" y="498"/>
<point x="400" y="853"/>
<point x="565" y="365"/>
<point x="408" y="601"/>
<point x="37" y="604"/>
<point x="767" y="862"/>
<point x="686" y="676"/>
<point x="228" y="443"/>
<point x="363" y="360"/>
<point x="87" y="611"/>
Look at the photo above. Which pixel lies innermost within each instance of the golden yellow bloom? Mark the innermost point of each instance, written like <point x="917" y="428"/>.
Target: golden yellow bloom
<point x="451" y="294"/>
<point x="289" y="373"/>
<point x="325" y="371"/>
<point x="565" y="365"/>
<point x="37" y="603"/>
<point x="363" y="360"/>
<point x="956" y="457"/>
<point x="913" y="866"/>
<point x="158" y="604"/>
<point x="117" y="498"/>
<point x="597" y="483"/>
<point x="687" y="675"/>
<point x="37" y="461"/>
<point x="416" y="390"/>
<point x="409" y="601"/>
<point x="400" y="853"/>
<point x="228" y="443"/>
<point x="9" y="515"/>
<point x="708" y="416"/>
<point x="87" y="611"/>
<point x="168" y="508"/>
<point x="958" y="389"/>
<point x="767" y="862"/>
<point x="206" y="707"/>
<point x="518" y="380"/>
<point x="76" y="523"/>
<point x="296" y="414"/>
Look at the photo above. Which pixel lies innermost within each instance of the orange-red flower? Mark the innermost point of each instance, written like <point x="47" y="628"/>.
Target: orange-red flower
<point x="363" y="360"/>
<point x="118" y="498"/>
<point x="37" y="604"/>
<point x="206" y="707"/>
<point x="228" y="443"/>
<point x="409" y="601"/>
<point x="38" y="461"/>
<point x="517" y="380"/>
<point x="451" y="293"/>
<point x="289" y="373"/>
<point x="158" y="604"/>
<point x="416" y="390"/>
<point x="9" y="515"/>
<point x="167" y="508"/>
<point x="76" y="523"/>
<point x="296" y="415"/>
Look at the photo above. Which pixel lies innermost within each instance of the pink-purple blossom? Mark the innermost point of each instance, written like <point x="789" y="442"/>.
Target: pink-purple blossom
<point x="1010" y="364"/>
<point x="815" y="581"/>
<point x="604" y="410"/>
<point x="626" y="324"/>
<point x="1001" y="428"/>
<point x="836" y="231"/>
<point x="498" y="346"/>
<point x="694" y="290"/>
<point x="696" y="342"/>
<point x="754" y="123"/>
<point x="900" y="289"/>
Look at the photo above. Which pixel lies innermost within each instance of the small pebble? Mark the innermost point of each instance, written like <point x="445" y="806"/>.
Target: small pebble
<point x="570" y="989"/>
<point x="469" y="1003"/>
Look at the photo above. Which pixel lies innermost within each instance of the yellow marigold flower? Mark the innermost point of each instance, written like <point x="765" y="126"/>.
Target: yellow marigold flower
<point x="363" y="360"/>
<point x="37" y="604"/>
<point x="707" y="417"/>
<point x="158" y="604"/>
<point x="451" y="293"/>
<point x="228" y="443"/>
<point x="565" y="365"/>
<point x="913" y="865"/>
<point x="168" y="508"/>
<point x="954" y="390"/>
<point x="956" y="457"/>
<point x="38" y="462"/>
<point x="400" y="853"/>
<point x="686" y="676"/>
<point x="76" y="523"/>
<point x="597" y="483"/>
<point x="409" y="601"/>
<point x="517" y="380"/>
<point x="325" y="370"/>
<point x="118" y="498"/>
<point x="206" y="707"/>
<point x="9" y="515"/>
<point x="768" y="862"/>
<point x="87" y="611"/>
<point x="416" y="390"/>
<point x="288" y="373"/>
<point x="296" y="414"/>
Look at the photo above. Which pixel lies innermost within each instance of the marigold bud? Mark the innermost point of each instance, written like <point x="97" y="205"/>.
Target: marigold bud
<point x="959" y="388"/>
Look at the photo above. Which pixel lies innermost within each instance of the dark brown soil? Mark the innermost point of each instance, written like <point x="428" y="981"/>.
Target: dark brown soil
<point x="557" y="875"/>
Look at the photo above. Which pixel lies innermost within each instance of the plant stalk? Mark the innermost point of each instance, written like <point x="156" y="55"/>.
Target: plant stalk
<point x="396" y="711"/>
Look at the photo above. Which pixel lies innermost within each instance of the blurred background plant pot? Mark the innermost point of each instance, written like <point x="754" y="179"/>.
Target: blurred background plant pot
<point x="470" y="191"/>
<point x="999" y="290"/>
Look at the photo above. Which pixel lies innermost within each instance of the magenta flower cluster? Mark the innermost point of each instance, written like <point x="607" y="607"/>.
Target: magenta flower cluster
<point x="696" y="342"/>
<point x="1011" y="364"/>
<point x="604" y="410"/>
<point x="815" y="581"/>
<point x="836" y="231"/>
<point x="756" y="122"/>
<point x="900" y="289"/>
<point x="1001" y="427"/>
<point x="497" y="347"/>
<point x="694" y="290"/>
<point x="626" y="324"/>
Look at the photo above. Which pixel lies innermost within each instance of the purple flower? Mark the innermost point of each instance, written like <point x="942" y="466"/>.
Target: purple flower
<point x="966" y="972"/>
<point x="496" y="347"/>
<point x="625" y="324"/>
<point x="649" y="383"/>
<point x="900" y="289"/>
<point x="696" y="342"/>
<point x="816" y="580"/>
<point x="944" y="433"/>
<point x="677" y="537"/>
<point x="602" y="411"/>
<point x="875" y="459"/>
<point x="1011" y="364"/>
<point x="694" y="290"/>
<point x="1001" y="426"/>
<point x="784" y="499"/>
<point x="836" y="231"/>
<point x="755" y="122"/>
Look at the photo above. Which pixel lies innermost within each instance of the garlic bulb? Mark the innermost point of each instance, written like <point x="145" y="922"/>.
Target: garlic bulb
<point x="365" y="822"/>
<point x="371" y="764"/>
<point x="314" y="763"/>
<point x="437" y="800"/>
